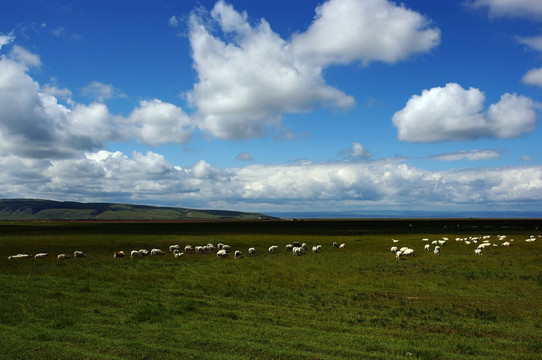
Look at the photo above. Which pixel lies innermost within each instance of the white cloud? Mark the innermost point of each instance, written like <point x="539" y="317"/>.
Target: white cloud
<point x="534" y="42"/>
<point x="526" y="158"/>
<point x="471" y="155"/>
<point x="453" y="113"/>
<point x="34" y="124"/>
<point x="511" y="8"/>
<point x="142" y="178"/>
<point x="533" y="77"/>
<point x="248" y="76"/>
<point x="158" y="123"/>
<point x="357" y="151"/>
<point x="346" y="31"/>
<point x="6" y="39"/>
<point x="101" y="91"/>
<point x="25" y="57"/>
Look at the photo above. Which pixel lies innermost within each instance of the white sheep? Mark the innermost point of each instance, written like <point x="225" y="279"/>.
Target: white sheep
<point x="143" y="252"/>
<point x="157" y="252"/>
<point x="273" y="249"/>
<point x="316" y="249"/>
<point x="342" y="246"/>
<point x="174" y="247"/>
<point x="79" y="254"/>
<point x="188" y="249"/>
<point x="437" y="250"/>
<point x="41" y="255"/>
<point x="178" y="254"/>
<point x="297" y="251"/>
<point x="335" y="245"/>
<point x="119" y="254"/>
<point x="394" y="249"/>
<point x="506" y="243"/>
<point x="251" y="251"/>
<point x="238" y="254"/>
<point x="427" y="247"/>
<point x="478" y="252"/>
<point x="403" y="249"/>
<point x="408" y="252"/>
<point x="19" y="256"/>
<point x="62" y="257"/>
<point x="222" y="253"/>
<point x="304" y="246"/>
<point x="398" y="254"/>
<point x="135" y="253"/>
<point x="289" y="247"/>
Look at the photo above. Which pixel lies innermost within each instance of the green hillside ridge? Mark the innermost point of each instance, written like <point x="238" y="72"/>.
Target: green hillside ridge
<point x="37" y="209"/>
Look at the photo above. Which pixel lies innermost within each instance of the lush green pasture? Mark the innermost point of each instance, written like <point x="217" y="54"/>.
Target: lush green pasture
<point x="354" y="303"/>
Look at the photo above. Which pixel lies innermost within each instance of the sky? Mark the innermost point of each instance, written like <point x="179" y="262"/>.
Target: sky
<point x="274" y="106"/>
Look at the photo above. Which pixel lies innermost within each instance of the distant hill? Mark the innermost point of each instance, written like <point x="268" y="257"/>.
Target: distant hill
<point x="35" y="209"/>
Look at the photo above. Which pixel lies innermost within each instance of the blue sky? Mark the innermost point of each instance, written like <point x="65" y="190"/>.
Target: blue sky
<point x="274" y="105"/>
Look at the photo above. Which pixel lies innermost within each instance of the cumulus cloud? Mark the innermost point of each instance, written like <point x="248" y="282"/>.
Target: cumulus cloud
<point x="510" y="8"/>
<point x="248" y="76"/>
<point x="453" y="113"/>
<point x="34" y="124"/>
<point x="158" y="123"/>
<point x="346" y="31"/>
<point x="533" y="77"/>
<point x="25" y="57"/>
<point x="307" y="186"/>
<point x="357" y="151"/>
<point x="471" y="155"/>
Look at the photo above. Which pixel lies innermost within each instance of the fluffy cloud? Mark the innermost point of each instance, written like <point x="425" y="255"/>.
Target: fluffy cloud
<point x="113" y="176"/>
<point x="244" y="156"/>
<point x="6" y="39"/>
<point x="453" y="113"/>
<point x="250" y="76"/>
<point x="32" y="121"/>
<point x="357" y="151"/>
<point x="471" y="155"/>
<point x="533" y="77"/>
<point x="346" y="31"/>
<point x="158" y="123"/>
<point x="511" y="8"/>
<point x="534" y="42"/>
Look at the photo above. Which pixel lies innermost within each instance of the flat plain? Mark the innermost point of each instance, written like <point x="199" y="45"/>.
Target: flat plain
<point x="358" y="302"/>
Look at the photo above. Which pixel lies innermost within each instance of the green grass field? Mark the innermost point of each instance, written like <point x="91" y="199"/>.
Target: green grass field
<point x="353" y="303"/>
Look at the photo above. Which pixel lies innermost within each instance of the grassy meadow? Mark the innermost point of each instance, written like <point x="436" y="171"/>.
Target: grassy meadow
<point x="353" y="303"/>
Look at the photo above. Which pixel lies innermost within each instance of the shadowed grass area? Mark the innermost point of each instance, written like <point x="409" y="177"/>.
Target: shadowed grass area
<point x="357" y="302"/>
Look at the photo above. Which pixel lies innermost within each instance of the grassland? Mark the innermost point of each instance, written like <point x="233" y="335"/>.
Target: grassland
<point x="355" y="303"/>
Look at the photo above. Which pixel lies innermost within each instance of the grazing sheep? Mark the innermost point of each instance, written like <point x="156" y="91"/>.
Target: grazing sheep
<point x="427" y="247"/>
<point x="188" y="249"/>
<point x="437" y="250"/>
<point x="506" y="243"/>
<point x="157" y="252"/>
<point x="41" y="255"/>
<point x="79" y="254"/>
<point x="219" y="246"/>
<point x="304" y="246"/>
<point x="251" y="251"/>
<point x="478" y="252"/>
<point x="62" y="257"/>
<point x="135" y="253"/>
<point x="342" y="246"/>
<point x="394" y="249"/>
<point x="289" y="247"/>
<point x="317" y="249"/>
<point x="143" y="252"/>
<point x="178" y="254"/>
<point x="395" y="240"/>
<point x="118" y="254"/>
<point x="335" y="245"/>
<point x="238" y="254"/>
<point x="408" y="252"/>
<point x="222" y="253"/>
<point x="19" y="256"/>
<point x="398" y="254"/>
<point x="297" y="251"/>
<point x="199" y="250"/>
<point x="273" y="249"/>
<point x="174" y="247"/>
